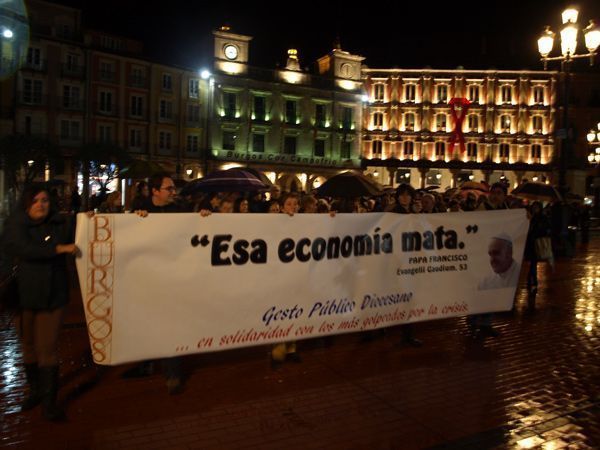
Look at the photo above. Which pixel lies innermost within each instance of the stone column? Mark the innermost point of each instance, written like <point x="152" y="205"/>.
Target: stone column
<point x="392" y="173"/>
<point x="423" y="172"/>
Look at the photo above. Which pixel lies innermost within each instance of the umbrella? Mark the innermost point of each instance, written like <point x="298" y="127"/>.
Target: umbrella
<point x="349" y="184"/>
<point x="537" y="191"/>
<point x="139" y="168"/>
<point x="231" y="180"/>
<point x="474" y="185"/>
<point x="258" y="174"/>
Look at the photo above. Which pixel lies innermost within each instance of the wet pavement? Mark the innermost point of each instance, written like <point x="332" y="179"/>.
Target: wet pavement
<point x="535" y="386"/>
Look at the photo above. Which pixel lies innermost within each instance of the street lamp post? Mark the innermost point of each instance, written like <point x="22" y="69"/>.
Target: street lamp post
<point x="568" y="44"/>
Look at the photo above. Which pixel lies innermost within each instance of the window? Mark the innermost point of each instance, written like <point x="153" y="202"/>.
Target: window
<point x="409" y="149"/>
<point x="290" y="111"/>
<point x="504" y="150"/>
<point x="345" y="149"/>
<point x="442" y="93"/>
<point x="106" y="102"/>
<point x="194" y="88"/>
<point x="376" y="148"/>
<point x="473" y="123"/>
<point x="538" y="95"/>
<point x="32" y="91"/>
<point x="136" y="106"/>
<point x="258" y="142"/>
<point x="320" y="147"/>
<point x="409" y="121"/>
<point x="137" y="76"/>
<point x="70" y="129"/>
<point x="289" y="145"/>
<point x="378" y="120"/>
<point x="34" y="57"/>
<point x="167" y="82"/>
<point x="229" y="103"/>
<point x="409" y="92"/>
<point x="72" y="62"/>
<point x="440" y="122"/>
<point x="107" y="71"/>
<point x="506" y="93"/>
<point x="192" y="143"/>
<point x="229" y="138"/>
<point x="320" y="115"/>
<point x="164" y="140"/>
<point x="536" y="151"/>
<point x="71" y="96"/>
<point x="105" y="133"/>
<point x="537" y="123"/>
<point x="474" y="93"/>
<point x="347" y="118"/>
<point x="165" y="109"/>
<point x="135" y="138"/>
<point x="505" y="123"/>
<point x="193" y="114"/>
<point x="379" y="92"/>
<point x="440" y="149"/>
<point x="260" y="108"/>
<point x="472" y="150"/>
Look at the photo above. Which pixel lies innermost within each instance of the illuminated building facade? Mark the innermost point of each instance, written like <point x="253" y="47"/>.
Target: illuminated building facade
<point x="505" y="122"/>
<point x="297" y="127"/>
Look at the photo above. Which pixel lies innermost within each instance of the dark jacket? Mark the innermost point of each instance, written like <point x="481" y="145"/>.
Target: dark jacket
<point x="42" y="274"/>
<point x="539" y="226"/>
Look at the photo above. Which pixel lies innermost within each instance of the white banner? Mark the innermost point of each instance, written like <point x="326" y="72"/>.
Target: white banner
<point x="175" y="284"/>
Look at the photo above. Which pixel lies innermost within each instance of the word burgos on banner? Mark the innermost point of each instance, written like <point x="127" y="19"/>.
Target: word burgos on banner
<point x="223" y="253"/>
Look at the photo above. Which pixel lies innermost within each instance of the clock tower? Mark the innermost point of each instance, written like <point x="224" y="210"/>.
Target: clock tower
<point x="341" y="65"/>
<point x="231" y="51"/>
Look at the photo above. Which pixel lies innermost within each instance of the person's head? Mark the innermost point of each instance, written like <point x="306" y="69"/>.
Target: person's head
<point x="428" y="203"/>
<point x="454" y="205"/>
<point x="322" y="206"/>
<point x="36" y="202"/>
<point x="274" y="206"/>
<point x="226" y="206"/>
<point x="241" y="205"/>
<point x="404" y="195"/>
<point x="309" y="204"/>
<point x="162" y="188"/>
<point x="500" y="251"/>
<point x="535" y="208"/>
<point x="142" y="189"/>
<point x="290" y="203"/>
<point x="497" y="194"/>
<point x="275" y="192"/>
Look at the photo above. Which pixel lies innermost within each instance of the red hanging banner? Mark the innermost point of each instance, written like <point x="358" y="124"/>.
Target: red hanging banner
<point x="458" y="109"/>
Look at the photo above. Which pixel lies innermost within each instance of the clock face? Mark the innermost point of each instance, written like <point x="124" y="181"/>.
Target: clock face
<point x="346" y="70"/>
<point x="231" y="51"/>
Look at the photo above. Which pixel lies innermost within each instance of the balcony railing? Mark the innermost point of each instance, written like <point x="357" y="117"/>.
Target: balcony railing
<point x="169" y="118"/>
<point x="138" y="82"/>
<point x="39" y="66"/>
<point x="107" y="76"/>
<point x="106" y="110"/>
<point x="71" y="71"/>
<point x="32" y="98"/>
<point x="71" y="104"/>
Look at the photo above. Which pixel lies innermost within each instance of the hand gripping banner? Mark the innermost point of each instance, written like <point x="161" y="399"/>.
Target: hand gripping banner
<point x="176" y="284"/>
<point x="458" y="109"/>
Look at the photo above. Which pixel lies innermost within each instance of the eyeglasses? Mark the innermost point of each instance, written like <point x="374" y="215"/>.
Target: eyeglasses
<point x="169" y="188"/>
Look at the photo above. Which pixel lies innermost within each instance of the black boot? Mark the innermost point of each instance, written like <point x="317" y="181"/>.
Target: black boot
<point x="49" y="390"/>
<point x="33" y="397"/>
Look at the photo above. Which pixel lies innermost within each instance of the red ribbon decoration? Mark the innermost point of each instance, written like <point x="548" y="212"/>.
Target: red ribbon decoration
<point x="457" y="134"/>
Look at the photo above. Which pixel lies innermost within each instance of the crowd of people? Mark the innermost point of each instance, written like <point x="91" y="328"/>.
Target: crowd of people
<point x="39" y="238"/>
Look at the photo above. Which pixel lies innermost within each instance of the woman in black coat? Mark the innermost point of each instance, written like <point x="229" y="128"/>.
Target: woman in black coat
<point x="539" y="226"/>
<point x="39" y="239"/>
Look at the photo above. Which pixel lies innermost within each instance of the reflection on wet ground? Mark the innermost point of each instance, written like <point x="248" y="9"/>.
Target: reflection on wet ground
<point x="536" y="386"/>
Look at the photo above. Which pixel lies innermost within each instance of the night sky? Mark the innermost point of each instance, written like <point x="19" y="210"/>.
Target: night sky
<point x="389" y="34"/>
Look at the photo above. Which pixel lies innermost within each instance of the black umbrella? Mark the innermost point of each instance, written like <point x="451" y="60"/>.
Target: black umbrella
<point x="231" y="180"/>
<point x="139" y="168"/>
<point x="537" y="191"/>
<point x="258" y="174"/>
<point x="349" y="184"/>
